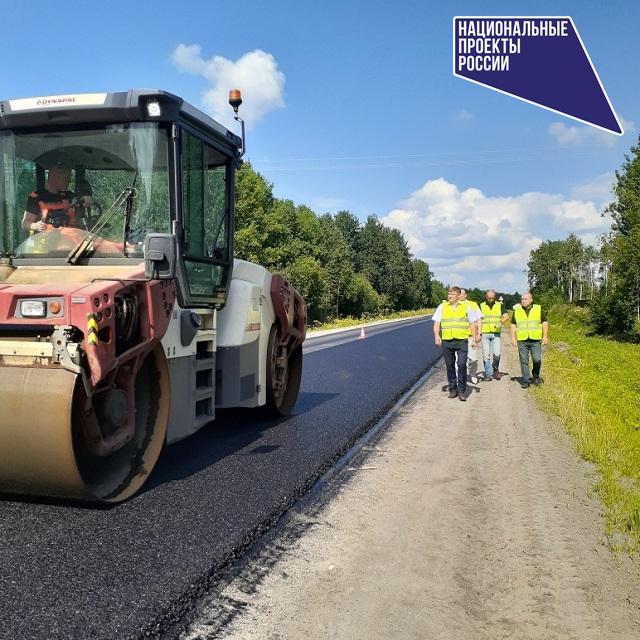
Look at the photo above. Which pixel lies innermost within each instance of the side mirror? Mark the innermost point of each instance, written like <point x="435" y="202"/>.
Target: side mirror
<point x="160" y="256"/>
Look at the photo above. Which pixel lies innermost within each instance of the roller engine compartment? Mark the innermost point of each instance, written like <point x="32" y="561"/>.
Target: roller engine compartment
<point x="99" y="347"/>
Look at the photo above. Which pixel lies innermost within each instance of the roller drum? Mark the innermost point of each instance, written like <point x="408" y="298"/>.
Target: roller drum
<point x="42" y="450"/>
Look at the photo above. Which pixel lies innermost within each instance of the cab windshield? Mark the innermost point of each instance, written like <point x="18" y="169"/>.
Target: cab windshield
<point x="57" y="186"/>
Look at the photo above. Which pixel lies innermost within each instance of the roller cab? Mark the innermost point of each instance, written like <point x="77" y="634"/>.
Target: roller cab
<point x="124" y="319"/>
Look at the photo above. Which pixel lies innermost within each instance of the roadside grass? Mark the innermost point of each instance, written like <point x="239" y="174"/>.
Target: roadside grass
<point x="356" y="322"/>
<point x="593" y="385"/>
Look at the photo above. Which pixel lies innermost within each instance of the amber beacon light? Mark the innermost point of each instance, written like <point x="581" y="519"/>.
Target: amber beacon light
<point x="235" y="99"/>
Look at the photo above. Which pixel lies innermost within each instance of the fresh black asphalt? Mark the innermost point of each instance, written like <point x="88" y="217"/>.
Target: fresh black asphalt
<point x="133" y="570"/>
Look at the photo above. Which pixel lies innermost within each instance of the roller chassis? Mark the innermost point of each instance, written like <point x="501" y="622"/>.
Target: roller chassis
<point x="257" y="335"/>
<point x="128" y="354"/>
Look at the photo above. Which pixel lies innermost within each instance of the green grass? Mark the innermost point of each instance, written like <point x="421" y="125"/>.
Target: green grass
<point x="593" y="385"/>
<point x="356" y="322"/>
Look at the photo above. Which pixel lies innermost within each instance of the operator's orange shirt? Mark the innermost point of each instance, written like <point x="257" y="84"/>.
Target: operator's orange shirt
<point x="53" y="208"/>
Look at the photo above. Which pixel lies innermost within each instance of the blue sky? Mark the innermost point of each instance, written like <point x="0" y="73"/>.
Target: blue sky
<point x="355" y="106"/>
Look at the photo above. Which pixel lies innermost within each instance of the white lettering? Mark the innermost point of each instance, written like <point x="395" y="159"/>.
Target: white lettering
<point x="484" y="63"/>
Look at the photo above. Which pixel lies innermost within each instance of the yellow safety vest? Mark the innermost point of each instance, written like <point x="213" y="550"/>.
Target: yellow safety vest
<point x="528" y="327"/>
<point x="491" y="317"/>
<point x="454" y="323"/>
<point x="474" y="308"/>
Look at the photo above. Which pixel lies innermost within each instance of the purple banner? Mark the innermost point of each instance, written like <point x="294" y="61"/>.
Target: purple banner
<point x="540" y="60"/>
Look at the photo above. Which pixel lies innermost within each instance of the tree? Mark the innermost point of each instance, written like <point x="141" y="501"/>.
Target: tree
<point x="386" y="262"/>
<point x="360" y="297"/>
<point x="420" y="287"/>
<point x="438" y="292"/>
<point x="573" y="258"/>
<point x="308" y="278"/>
<point x="544" y="268"/>
<point x="335" y="256"/>
<point x="373" y="252"/>
<point x="561" y="268"/>
<point x="350" y="228"/>
<point x="254" y="200"/>
<point x="622" y="250"/>
<point x="625" y="209"/>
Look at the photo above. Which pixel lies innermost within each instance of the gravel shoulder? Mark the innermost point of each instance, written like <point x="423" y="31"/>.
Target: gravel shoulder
<point x="466" y="521"/>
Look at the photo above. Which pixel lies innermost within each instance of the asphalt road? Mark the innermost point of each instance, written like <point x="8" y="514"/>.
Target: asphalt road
<point x="134" y="569"/>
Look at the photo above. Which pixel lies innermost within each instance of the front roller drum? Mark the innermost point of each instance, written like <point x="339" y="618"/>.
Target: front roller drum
<point x="42" y="446"/>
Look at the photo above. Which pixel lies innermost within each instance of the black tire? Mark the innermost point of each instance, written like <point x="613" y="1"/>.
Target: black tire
<point x="118" y="476"/>
<point x="281" y="398"/>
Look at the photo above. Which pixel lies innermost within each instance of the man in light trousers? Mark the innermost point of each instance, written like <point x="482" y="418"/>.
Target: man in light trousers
<point x="472" y="353"/>
<point x="492" y="320"/>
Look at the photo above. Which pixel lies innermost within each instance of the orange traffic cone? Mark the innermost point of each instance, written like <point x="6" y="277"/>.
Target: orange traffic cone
<point x="362" y="333"/>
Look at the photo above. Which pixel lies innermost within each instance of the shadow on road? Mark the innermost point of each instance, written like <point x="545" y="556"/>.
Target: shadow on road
<point x="232" y="431"/>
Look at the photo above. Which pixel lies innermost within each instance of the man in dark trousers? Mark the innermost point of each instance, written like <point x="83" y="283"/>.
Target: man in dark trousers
<point x="456" y="319"/>
<point x="529" y="330"/>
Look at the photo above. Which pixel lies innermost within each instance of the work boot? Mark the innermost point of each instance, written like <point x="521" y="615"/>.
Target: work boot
<point x="497" y="375"/>
<point x="461" y="396"/>
<point x="524" y="384"/>
<point x="537" y="381"/>
<point x="487" y="378"/>
<point x="453" y="394"/>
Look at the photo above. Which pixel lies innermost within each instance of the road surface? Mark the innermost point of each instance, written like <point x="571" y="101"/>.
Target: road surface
<point x="469" y="521"/>
<point x="75" y="572"/>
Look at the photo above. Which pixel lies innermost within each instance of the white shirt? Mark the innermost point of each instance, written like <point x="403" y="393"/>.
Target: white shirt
<point x="472" y="315"/>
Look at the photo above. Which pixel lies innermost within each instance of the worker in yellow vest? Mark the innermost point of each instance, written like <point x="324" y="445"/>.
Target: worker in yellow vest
<point x="472" y="353"/>
<point x="529" y="330"/>
<point x="452" y="322"/>
<point x="493" y="317"/>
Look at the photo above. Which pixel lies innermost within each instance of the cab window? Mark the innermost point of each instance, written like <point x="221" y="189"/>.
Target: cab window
<point x="204" y="207"/>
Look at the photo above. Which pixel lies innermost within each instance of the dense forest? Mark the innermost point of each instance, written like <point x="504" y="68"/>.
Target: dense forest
<point x="605" y="278"/>
<point x="342" y="267"/>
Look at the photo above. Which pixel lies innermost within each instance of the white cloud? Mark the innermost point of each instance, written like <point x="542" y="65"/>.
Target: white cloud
<point x="628" y="126"/>
<point x="576" y="216"/>
<point x="463" y="115"/>
<point x="578" y="136"/>
<point x="469" y="238"/>
<point x="256" y="74"/>
<point x="598" y="190"/>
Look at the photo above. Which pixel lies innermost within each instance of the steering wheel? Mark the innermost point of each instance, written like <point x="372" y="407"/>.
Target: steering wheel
<point x="88" y="215"/>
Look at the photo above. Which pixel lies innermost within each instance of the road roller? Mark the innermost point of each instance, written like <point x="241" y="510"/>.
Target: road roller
<point x="125" y="320"/>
